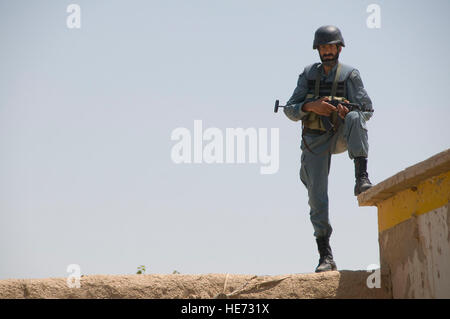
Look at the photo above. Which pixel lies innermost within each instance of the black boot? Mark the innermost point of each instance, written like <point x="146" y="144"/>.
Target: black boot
<point x="326" y="262"/>
<point x="362" y="178"/>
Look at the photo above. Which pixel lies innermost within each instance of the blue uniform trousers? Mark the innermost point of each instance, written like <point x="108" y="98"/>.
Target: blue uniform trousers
<point x="351" y="136"/>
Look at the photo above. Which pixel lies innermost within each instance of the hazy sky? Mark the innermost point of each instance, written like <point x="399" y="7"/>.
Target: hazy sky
<point x="86" y="117"/>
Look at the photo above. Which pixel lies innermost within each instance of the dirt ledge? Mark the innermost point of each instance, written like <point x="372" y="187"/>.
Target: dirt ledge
<point x="333" y="284"/>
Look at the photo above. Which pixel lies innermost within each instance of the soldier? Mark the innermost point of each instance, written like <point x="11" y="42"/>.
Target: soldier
<point x="329" y="129"/>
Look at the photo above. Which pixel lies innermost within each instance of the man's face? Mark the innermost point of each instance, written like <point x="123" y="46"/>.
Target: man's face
<point x="329" y="53"/>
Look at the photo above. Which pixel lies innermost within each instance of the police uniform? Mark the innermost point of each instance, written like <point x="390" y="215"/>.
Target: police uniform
<point x="351" y="134"/>
<point x="323" y="136"/>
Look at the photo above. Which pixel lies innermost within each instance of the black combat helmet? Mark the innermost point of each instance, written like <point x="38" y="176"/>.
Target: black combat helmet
<point x="328" y="34"/>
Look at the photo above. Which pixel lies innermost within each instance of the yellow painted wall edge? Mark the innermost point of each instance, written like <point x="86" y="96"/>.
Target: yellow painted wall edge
<point x="428" y="195"/>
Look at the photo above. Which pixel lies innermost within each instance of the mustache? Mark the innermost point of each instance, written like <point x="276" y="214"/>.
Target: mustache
<point x="328" y="56"/>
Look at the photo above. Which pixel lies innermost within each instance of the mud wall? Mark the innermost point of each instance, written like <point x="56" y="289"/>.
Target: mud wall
<point x="330" y="285"/>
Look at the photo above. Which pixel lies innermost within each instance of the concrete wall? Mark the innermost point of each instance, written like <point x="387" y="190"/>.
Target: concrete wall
<point x="414" y="228"/>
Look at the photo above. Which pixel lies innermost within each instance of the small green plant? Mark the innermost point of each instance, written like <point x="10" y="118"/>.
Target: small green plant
<point x="141" y="270"/>
<point x="175" y="272"/>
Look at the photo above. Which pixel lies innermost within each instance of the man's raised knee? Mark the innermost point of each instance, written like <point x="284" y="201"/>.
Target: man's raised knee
<point x="352" y="116"/>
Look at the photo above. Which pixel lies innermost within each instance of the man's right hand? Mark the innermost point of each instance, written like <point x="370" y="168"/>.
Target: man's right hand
<point x="320" y="107"/>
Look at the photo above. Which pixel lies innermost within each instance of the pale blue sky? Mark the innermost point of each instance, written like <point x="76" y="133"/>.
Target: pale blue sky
<point x="86" y="117"/>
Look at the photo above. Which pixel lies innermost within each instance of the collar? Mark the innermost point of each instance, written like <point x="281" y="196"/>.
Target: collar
<point x="332" y="71"/>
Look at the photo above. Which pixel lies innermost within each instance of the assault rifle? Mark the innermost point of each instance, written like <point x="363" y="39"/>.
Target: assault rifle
<point x="334" y="102"/>
<point x="326" y="120"/>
